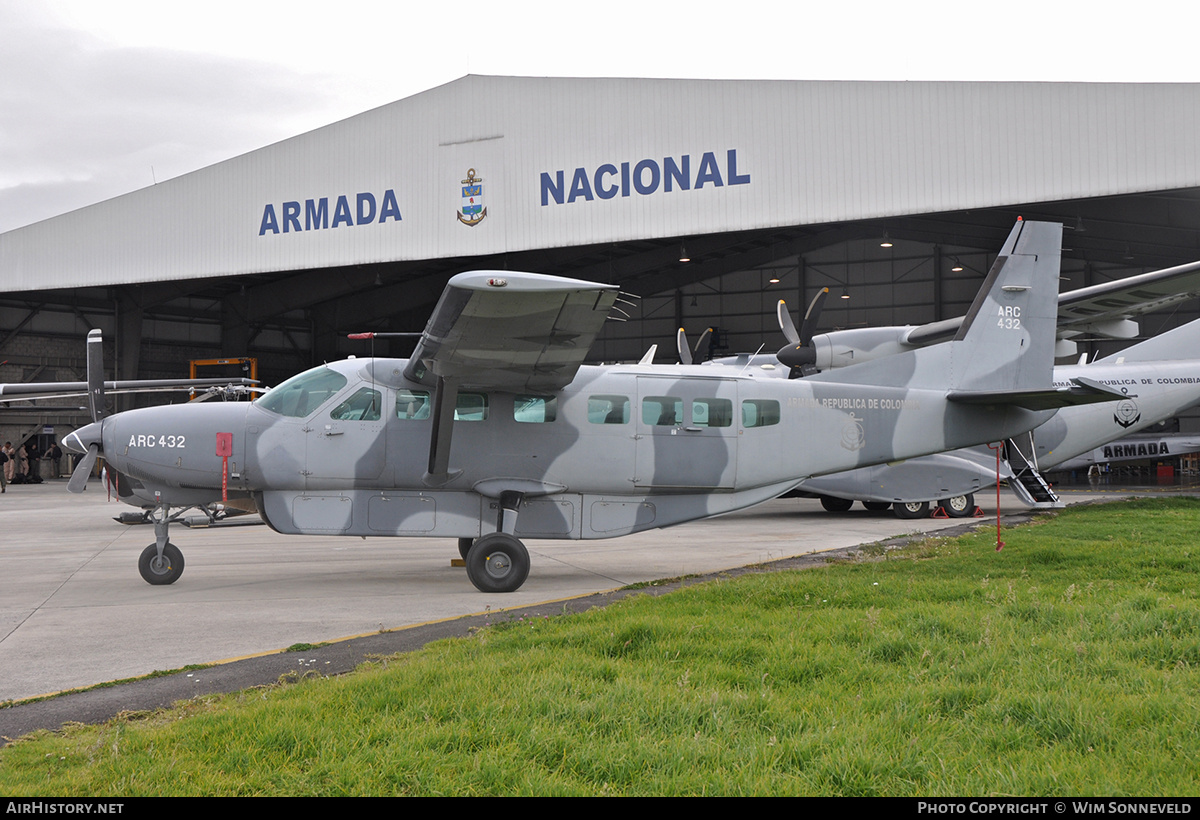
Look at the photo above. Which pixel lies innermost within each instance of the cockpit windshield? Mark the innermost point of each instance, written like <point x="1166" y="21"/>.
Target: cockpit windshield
<point x="302" y="394"/>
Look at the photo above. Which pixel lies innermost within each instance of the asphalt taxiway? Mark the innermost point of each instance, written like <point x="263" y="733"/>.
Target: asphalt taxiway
<point x="75" y="612"/>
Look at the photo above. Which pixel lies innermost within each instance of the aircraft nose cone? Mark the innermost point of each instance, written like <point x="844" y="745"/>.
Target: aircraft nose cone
<point x="81" y="439"/>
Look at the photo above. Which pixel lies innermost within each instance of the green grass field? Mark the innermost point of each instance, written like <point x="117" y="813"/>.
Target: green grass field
<point x="1067" y="664"/>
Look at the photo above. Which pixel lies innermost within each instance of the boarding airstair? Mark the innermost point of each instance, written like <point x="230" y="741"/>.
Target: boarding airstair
<point x="1027" y="483"/>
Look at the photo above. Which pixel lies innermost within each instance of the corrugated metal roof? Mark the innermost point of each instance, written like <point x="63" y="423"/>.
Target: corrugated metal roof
<point x="566" y="162"/>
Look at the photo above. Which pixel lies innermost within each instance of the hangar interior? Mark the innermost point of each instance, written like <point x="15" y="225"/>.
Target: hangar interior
<point x="903" y="268"/>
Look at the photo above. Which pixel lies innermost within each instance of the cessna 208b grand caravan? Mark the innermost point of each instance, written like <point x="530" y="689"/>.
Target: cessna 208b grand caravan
<point x="494" y="430"/>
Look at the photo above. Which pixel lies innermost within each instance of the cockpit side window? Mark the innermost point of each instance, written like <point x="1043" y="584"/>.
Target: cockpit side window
<point x="301" y="395"/>
<point x="362" y="406"/>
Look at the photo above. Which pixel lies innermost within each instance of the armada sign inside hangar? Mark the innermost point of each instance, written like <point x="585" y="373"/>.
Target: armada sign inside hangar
<point x="644" y="177"/>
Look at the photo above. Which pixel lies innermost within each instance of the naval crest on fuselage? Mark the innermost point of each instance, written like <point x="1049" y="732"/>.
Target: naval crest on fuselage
<point x="853" y="435"/>
<point x="1127" y="413"/>
<point x="473" y="210"/>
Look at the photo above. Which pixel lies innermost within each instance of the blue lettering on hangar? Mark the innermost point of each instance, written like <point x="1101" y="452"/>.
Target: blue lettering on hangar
<point x="314" y="215"/>
<point x="644" y="178"/>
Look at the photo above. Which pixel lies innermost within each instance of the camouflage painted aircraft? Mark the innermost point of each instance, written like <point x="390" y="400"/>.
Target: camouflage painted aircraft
<point x="1158" y="378"/>
<point x="950" y="479"/>
<point x="494" y="430"/>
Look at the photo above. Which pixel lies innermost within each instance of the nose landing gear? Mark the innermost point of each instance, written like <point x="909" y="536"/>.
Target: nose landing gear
<point x="161" y="563"/>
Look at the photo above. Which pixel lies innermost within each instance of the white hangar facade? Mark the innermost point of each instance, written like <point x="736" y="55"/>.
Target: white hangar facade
<point x="771" y="189"/>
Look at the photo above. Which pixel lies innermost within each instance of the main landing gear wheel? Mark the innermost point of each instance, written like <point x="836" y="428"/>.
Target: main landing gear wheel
<point x="877" y="506"/>
<point x="464" y="546"/>
<point x="960" y="506"/>
<point x="160" y="571"/>
<point x="911" y="509"/>
<point x="497" y="562"/>
<point x="836" y="504"/>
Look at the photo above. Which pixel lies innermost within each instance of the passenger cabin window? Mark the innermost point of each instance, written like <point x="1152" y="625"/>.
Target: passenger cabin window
<point x="412" y="404"/>
<point x="608" y="409"/>
<point x="712" y="413"/>
<point x="301" y="395"/>
<point x="535" y="409"/>
<point x="662" y="411"/>
<point x="471" y="407"/>
<point x="760" y="412"/>
<point x="362" y="406"/>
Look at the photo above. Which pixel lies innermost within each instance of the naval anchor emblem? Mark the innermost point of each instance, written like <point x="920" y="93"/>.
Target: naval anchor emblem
<point x="473" y="210"/>
<point x="853" y="436"/>
<point x="1127" y="413"/>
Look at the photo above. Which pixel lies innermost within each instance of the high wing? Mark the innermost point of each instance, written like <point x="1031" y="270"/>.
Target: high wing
<point x="505" y="331"/>
<point x="510" y="331"/>
<point x="1101" y="309"/>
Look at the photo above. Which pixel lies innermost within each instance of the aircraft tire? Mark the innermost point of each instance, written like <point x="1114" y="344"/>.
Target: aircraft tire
<point x="960" y="506"/>
<point x="497" y="562"/>
<point x="159" y="575"/>
<point x="833" y="504"/>
<point x="464" y="546"/>
<point x="911" y="509"/>
<point x="877" y="506"/>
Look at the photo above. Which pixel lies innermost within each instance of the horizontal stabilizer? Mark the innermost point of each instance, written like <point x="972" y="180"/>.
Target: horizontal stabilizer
<point x="1081" y="391"/>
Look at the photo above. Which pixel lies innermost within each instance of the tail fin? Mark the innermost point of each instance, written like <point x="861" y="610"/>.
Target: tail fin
<point x="1006" y="341"/>
<point x="1180" y="343"/>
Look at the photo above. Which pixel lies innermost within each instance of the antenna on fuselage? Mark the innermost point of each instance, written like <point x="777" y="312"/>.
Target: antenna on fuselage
<point x="372" y="335"/>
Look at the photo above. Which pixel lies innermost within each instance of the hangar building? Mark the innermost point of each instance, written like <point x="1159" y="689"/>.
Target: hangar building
<point x="896" y="195"/>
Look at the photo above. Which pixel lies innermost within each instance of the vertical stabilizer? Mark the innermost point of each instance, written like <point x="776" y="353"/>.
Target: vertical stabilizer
<point x="1006" y="341"/>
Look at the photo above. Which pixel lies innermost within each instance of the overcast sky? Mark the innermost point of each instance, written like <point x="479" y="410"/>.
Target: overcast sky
<point x="102" y="97"/>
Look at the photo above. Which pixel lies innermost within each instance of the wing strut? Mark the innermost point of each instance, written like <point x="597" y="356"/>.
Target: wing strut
<point x="445" y="399"/>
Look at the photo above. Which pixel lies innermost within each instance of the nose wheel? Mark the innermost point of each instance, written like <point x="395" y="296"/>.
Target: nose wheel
<point x="161" y="563"/>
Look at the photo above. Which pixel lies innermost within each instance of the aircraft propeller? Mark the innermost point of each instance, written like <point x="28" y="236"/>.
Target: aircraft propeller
<point x="89" y="437"/>
<point x="687" y="355"/>
<point x="798" y="354"/>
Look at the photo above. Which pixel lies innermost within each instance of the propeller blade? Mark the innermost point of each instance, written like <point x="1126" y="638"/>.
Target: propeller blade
<point x="687" y="355"/>
<point x="702" y="341"/>
<point x="798" y="354"/>
<point x="95" y="375"/>
<point x="785" y="323"/>
<point x="681" y="345"/>
<point x="810" y="318"/>
<point x="79" y="478"/>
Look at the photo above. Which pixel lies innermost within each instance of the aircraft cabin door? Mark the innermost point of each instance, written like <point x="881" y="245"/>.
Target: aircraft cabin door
<point x="687" y="433"/>
<point x="347" y="442"/>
